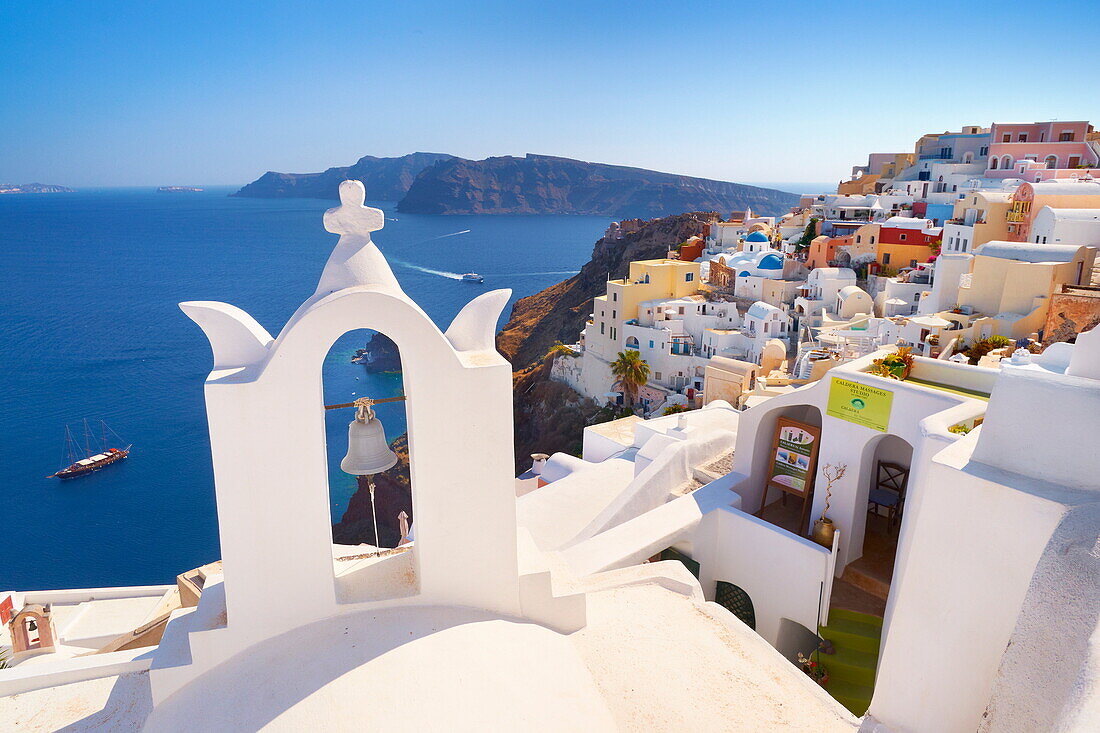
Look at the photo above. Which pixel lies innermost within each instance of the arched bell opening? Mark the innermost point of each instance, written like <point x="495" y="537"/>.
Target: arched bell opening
<point x="369" y="480"/>
<point x="366" y="363"/>
<point x="367" y="446"/>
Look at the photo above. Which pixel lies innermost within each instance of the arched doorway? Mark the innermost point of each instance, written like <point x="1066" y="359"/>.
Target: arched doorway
<point x="772" y="504"/>
<point x="881" y="498"/>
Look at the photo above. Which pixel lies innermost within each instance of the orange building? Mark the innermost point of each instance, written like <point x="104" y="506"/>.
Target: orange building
<point x="907" y="243"/>
<point x="822" y="250"/>
<point x="690" y="250"/>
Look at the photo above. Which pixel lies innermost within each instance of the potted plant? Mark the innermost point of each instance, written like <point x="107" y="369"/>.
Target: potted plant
<point x="824" y="529"/>
<point x="898" y="365"/>
<point x="815" y="669"/>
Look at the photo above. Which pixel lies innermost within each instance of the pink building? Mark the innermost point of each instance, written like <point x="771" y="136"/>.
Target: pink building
<point x="1043" y="150"/>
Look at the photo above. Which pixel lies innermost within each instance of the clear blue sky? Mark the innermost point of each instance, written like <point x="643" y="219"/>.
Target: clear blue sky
<point x="156" y="93"/>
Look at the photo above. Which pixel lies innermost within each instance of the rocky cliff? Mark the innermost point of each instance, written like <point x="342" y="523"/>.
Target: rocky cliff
<point x="543" y="184"/>
<point x="549" y="416"/>
<point x="379" y="355"/>
<point x="559" y="312"/>
<point x="386" y="179"/>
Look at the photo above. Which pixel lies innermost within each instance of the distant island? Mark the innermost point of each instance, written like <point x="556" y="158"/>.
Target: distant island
<point x="386" y="179"/>
<point x="179" y="189"/>
<point x="33" y="188"/>
<point x="435" y="183"/>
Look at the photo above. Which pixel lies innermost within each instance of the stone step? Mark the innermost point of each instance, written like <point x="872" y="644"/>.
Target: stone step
<point x="866" y="582"/>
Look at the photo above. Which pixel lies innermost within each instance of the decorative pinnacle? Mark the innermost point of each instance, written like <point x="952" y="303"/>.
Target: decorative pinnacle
<point x="351" y="217"/>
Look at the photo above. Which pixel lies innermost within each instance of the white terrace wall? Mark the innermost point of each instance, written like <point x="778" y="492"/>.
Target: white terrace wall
<point x="966" y="573"/>
<point x="784" y="575"/>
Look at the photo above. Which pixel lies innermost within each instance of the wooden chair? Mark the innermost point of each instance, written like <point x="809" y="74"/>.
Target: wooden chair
<point x="888" y="492"/>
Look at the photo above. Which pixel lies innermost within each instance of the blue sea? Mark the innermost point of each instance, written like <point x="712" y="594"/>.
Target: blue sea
<point x="89" y="328"/>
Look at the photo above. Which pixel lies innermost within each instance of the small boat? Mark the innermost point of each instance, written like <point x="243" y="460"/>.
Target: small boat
<point x="472" y="277"/>
<point x="95" y="458"/>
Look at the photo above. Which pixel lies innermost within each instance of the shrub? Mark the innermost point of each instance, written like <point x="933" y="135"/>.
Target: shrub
<point x="673" y="409"/>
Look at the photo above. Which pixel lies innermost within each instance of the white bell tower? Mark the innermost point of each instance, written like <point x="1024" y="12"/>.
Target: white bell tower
<point x="267" y="434"/>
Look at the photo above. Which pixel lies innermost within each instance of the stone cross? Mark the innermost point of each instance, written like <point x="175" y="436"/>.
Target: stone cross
<point x="351" y="217"/>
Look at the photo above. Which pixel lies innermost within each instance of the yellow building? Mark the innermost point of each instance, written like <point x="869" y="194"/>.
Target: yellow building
<point x="863" y="184"/>
<point x="1010" y="284"/>
<point x="900" y="162"/>
<point x="864" y="241"/>
<point x="646" y="280"/>
<point x="979" y="217"/>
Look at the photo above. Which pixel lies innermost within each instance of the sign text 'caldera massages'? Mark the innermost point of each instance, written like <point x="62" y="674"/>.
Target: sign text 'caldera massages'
<point x="860" y="403"/>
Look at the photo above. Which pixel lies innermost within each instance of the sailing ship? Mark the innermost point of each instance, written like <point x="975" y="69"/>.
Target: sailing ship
<point x="94" y="459"/>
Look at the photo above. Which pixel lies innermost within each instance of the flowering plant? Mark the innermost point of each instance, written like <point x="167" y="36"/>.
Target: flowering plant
<point x="815" y="669"/>
<point x="894" y="366"/>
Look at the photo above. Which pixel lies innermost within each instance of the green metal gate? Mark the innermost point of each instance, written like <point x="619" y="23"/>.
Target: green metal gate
<point x="736" y="601"/>
<point x="673" y="554"/>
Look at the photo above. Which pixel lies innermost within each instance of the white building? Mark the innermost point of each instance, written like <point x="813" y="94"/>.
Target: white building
<point x="1066" y="226"/>
<point x="830" y="295"/>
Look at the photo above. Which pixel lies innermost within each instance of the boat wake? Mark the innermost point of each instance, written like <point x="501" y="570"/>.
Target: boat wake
<point x="430" y="271"/>
<point x="444" y="236"/>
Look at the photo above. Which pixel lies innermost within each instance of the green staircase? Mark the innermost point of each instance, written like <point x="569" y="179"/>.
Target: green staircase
<point x="856" y="638"/>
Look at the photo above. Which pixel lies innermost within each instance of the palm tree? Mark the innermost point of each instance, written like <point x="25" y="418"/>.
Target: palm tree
<point x="631" y="372"/>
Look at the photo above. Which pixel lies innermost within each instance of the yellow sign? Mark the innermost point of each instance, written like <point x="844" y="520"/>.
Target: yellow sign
<point x="860" y="403"/>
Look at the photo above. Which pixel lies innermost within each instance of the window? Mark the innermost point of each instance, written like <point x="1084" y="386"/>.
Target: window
<point x="631" y="342"/>
<point x="765" y="327"/>
<point x="1023" y="137"/>
<point x="657" y="376"/>
<point x="902" y="236"/>
<point x="857" y="239"/>
<point x="614" y="296"/>
<point x="1052" y="161"/>
<point x="1007" y="137"/>
<point x="689" y="277"/>
<point x="983" y="151"/>
<point x="613" y="333"/>
<point x="1006" y="161"/>
<point x="1066" y="136"/>
<point x="993" y="164"/>
<point x="614" y="313"/>
<point x="680" y="310"/>
<point x="651" y="343"/>
<point x="886" y="258"/>
<point x="872" y="239"/>
<point x="601" y="328"/>
<point x="1042" y="136"/>
<point x="1074" y="161"/>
